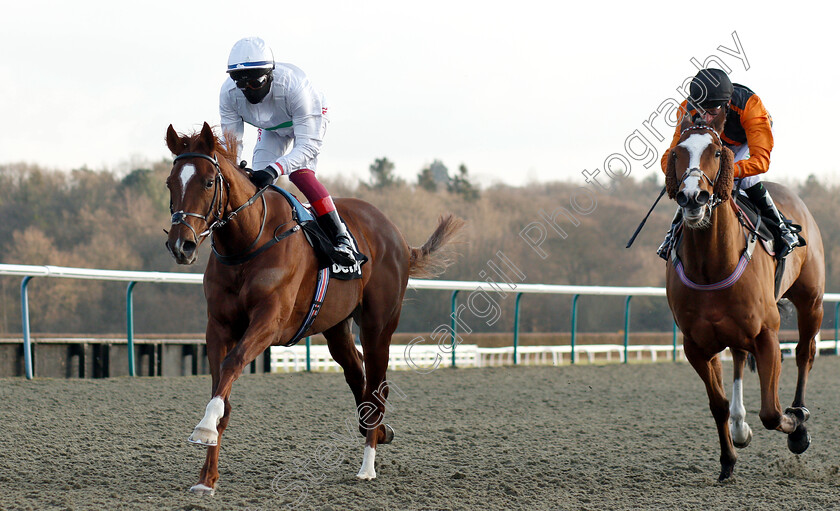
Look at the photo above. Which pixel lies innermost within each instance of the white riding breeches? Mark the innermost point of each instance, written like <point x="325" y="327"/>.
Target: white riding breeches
<point x="742" y="153"/>
<point x="271" y="145"/>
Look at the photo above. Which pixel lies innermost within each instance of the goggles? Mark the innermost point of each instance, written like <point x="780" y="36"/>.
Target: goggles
<point x="252" y="83"/>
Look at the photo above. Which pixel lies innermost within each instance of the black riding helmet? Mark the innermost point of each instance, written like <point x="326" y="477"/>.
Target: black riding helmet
<point x="710" y="88"/>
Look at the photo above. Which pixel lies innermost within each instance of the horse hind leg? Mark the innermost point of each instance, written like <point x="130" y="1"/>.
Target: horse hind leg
<point x="343" y="350"/>
<point x="376" y="342"/>
<point x="739" y="430"/>
<point x="809" y="318"/>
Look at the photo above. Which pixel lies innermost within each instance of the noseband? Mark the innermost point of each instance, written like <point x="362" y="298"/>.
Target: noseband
<point x="714" y="201"/>
<point x="217" y="205"/>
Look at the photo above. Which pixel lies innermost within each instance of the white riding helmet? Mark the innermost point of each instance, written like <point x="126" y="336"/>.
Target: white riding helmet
<point x="250" y="53"/>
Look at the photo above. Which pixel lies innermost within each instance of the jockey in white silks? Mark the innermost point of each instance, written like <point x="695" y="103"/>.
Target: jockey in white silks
<point x="291" y="118"/>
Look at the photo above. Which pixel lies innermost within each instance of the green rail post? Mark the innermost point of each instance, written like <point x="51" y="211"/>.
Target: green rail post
<point x="626" y="326"/>
<point x="836" y="340"/>
<point x="308" y="355"/>
<point x="129" y="312"/>
<point x="574" y="326"/>
<point x="453" y="324"/>
<point x="516" y="329"/>
<point x="27" y="342"/>
<point x="675" y="342"/>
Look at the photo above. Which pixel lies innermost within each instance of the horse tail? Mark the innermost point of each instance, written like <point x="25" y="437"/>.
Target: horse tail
<point x="434" y="256"/>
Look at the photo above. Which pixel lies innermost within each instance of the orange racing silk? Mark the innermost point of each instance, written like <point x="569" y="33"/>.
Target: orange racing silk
<point x="747" y="122"/>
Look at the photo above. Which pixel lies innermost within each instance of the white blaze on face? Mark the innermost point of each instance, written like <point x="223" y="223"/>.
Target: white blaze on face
<point x="695" y="144"/>
<point x="187" y="172"/>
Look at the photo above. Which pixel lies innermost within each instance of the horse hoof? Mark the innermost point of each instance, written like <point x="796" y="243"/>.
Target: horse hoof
<point x="200" y="489"/>
<point x="204" y="436"/>
<point x="741" y="445"/>
<point x="725" y="472"/>
<point x="389" y="434"/>
<point x="801" y="413"/>
<point x="799" y="440"/>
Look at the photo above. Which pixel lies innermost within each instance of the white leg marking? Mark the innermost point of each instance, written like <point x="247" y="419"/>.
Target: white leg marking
<point x="206" y="433"/>
<point x="739" y="429"/>
<point x="202" y="490"/>
<point x="187" y="171"/>
<point x="367" y="471"/>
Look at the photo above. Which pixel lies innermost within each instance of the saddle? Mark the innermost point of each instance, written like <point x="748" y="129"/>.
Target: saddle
<point x="319" y="241"/>
<point x="767" y="232"/>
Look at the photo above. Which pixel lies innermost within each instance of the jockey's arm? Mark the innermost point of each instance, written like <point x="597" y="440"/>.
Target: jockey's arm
<point x="309" y="124"/>
<point x="676" y="139"/>
<point x="757" y="125"/>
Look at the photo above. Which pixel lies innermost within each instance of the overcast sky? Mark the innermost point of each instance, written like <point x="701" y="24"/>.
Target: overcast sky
<point x="518" y="91"/>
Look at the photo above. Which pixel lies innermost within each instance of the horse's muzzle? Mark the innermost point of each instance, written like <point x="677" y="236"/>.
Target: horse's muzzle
<point x="692" y="200"/>
<point x="184" y="251"/>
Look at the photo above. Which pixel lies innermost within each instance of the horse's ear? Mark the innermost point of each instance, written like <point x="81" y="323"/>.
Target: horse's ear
<point x="686" y="121"/>
<point x="726" y="176"/>
<point x="208" y="138"/>
<point x="173" y="141"/>
<point x="671" y="182"/>
<point x="719" y="120"/>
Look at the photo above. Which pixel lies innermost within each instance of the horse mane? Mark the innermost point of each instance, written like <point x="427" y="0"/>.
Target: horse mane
<point x="194" y="140"/>
<point x="725" y="179"/>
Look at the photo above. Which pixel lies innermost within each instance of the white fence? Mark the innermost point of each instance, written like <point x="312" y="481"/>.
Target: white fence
<point x="319" y="356"/>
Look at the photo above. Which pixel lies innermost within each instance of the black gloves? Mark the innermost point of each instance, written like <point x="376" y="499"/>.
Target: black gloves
<point x="264" y="177"/>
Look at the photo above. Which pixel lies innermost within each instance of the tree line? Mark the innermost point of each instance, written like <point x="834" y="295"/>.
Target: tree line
<point x="551" y="233"/>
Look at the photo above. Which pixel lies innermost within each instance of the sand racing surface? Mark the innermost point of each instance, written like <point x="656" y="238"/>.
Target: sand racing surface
<point x="637" y="436"/>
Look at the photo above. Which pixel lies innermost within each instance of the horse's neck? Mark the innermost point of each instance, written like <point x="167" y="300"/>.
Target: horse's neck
<point x="711" y="254"/>
<point x="244" y="229"/>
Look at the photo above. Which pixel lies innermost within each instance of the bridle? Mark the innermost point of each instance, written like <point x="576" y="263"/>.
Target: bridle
<point x="714" y="201"/>
<point x="218" y="204"/>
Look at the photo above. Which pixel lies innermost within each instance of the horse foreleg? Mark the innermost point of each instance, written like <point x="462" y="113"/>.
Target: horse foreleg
<point x="216" y="414"/>
<point x="739" y="430"/>
<point x="711" y="372"/>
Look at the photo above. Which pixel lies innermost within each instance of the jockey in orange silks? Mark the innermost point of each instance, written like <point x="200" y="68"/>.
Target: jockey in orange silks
<point x="747" y="132"/>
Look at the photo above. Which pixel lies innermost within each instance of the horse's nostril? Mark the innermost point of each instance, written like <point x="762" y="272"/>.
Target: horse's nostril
<point x="703" y="197"/>
<point x="188" y="247"/>
<point x="682" y="199"/>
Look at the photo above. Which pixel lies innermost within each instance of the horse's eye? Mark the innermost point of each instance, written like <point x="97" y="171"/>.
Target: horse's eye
<point x="171" y="208"/>
<point x="717" y="154"/>
<point x="209" y="183"/>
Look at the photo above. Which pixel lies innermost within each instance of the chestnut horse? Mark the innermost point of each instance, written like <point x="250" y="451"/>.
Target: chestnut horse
<point x="263" y="302"/>
<point x="721" y="298"/>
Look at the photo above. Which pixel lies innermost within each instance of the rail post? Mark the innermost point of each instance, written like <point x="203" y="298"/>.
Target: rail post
<point x="675" y="342"/>
<point x="574" y="326"/>
<point x="308" y="355"/>
<point x="627" y="327"/>
<point x="454" y="324"/>
<point x="836" y="339"/>
<point x="129" y="313"/>
<point x="27" y="343"/>
<point x="516" y="329"/>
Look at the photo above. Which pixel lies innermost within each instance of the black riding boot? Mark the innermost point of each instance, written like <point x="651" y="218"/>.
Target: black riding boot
<point x="665" y="247"/>
<point x="759" y="195"/>
<point x="343" y="255"/>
